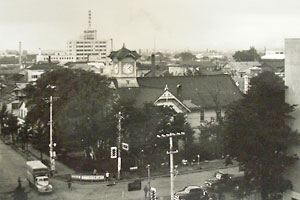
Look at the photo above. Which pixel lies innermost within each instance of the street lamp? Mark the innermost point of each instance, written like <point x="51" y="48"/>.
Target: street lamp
<point x="171" y="152"/>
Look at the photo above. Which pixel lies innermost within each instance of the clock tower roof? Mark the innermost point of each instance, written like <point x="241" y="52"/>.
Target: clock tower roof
<point x="123" y="53"/>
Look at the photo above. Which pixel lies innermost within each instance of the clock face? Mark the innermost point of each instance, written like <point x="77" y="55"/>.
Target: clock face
<point x="127" y="68"/>
<point x="116" y="68"/>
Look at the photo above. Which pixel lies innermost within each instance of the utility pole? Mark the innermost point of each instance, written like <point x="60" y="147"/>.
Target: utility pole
<point x="120" y="117"/>
<point x="171" y="152"/>
<point x="149" y="185"/>
<point x="52" y="153"/>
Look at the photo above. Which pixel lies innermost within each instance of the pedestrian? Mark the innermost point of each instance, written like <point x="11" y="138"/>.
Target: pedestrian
<point x="146" y="190"/>
<point x="69" y="181"/>
<point x="106" y="176"/>
<point x="19" y="182"/>
<point x="95" y="172"/>
<point x="114" y="179"/>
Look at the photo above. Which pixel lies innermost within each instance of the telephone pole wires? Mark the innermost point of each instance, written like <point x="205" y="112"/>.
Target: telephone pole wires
<point x="171" y="152"/>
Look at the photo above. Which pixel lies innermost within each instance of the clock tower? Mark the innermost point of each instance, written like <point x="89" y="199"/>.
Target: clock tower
<point x="124" y="67"/>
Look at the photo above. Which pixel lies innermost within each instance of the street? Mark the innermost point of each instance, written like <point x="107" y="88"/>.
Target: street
<point x="12" y="166"/>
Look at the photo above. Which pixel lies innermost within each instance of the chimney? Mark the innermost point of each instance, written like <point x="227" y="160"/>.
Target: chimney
<point x="49" y="61"/>
<point x="179" y="92"/>
<point x="153" y="65"/>
<point x="20" y="53"/>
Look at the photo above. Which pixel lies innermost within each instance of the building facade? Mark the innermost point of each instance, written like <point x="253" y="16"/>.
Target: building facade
<point x="88" y="48"/>
<point x="292" y="96"/>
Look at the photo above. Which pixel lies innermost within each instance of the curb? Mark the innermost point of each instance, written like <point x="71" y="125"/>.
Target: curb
<point x="144" y="178"/>
<point x="61" y="176"/>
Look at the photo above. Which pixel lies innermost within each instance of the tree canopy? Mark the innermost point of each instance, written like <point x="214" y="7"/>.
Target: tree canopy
<point x="246" y="55"/>
<point x="186" y="56"/>
<point x="80" y="101"/>
<point x="256" y="133"/>
<point x="84" y="118"/>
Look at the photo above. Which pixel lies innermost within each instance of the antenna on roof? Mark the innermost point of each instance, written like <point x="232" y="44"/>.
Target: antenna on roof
<point x="90" y="18"/>
<point x="154" y="45"/>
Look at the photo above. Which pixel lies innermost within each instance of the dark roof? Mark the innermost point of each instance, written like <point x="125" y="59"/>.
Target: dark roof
<point x="273" y="65"/>
<point x="7" y="94"/>
<point x="123" y="53"/>
<point x="196" y="91"/>
<point x="200" y="64"/>
<point x="45" y="66"/>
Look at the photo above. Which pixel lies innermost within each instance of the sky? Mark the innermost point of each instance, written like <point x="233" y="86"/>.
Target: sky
<point x="194" y="25"/>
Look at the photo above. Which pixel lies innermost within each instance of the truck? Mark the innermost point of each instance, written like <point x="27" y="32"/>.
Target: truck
<point x="38" y="176"/>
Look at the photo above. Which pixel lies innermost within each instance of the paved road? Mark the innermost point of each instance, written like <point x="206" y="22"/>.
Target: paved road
<point x="12" y="166"/>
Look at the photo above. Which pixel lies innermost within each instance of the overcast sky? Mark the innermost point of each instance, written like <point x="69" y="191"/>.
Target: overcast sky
<point x="169" y="24"/>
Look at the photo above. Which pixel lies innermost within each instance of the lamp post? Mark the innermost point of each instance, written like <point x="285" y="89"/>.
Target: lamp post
<point x="171" y="152"/>
<point x="198" y="156"/>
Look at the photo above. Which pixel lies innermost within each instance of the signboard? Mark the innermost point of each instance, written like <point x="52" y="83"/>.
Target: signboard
<point x="125" y="146"/>
<point x="88" y="177"/>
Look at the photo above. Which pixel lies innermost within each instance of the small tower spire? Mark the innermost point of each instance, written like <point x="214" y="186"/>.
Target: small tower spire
<point x="166" y="88"/>
<point x="90" y="19"/>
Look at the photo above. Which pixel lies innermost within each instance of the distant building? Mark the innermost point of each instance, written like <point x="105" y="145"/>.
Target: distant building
<point x="34" y="72"/>
<point x="242" y="72"/>
<point x="185" y="67"/>
<point x="87" y="48"/>
<point x="273" y="55"/>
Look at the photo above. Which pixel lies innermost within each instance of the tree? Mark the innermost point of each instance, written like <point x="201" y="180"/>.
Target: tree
<point x="211" y="142"/>
<point x="3" y="116"/>
<point x="81" y="102"/>
<point x="256" y="133"/>
<point x="186" y="56"/>
<point x="246" y="55"/>
<point x="9" y="124"/>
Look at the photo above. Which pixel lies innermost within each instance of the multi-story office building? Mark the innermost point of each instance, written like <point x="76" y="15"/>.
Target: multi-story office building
<point x="87" y="49"/>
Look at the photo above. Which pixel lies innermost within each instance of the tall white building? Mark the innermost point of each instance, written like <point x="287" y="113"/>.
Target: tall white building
<point x="292" y="97"/>
<point x="87" y="49"/>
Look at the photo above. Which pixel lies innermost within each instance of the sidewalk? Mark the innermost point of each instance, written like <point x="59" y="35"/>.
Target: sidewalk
<point x="33" y="154"/>
<point x="63" y="171"/>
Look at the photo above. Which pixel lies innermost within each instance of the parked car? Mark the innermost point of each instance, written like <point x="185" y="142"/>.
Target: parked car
<point x="192" y="192"/>
<point x="219" y="178"/>
<point x="223" y="179"/>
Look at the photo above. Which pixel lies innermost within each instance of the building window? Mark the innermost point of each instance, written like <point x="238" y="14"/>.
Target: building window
<point x="15" y="106"/>
<point x="101" y="71"/>
<point x="202" y="115"/>
<point x="34" y="76"/>
<point x="127" y="81"/>
<point x="212" y="119"/>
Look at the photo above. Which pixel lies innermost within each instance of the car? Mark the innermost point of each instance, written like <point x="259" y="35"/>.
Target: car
<point x="224" y="180"/>
<point x="219" y="178"/>
<point x="7" y="142"/>
<point x="192" y="192"/>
